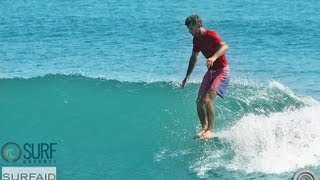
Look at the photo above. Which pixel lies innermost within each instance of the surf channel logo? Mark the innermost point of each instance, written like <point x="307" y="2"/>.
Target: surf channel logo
<point x="11" y="152"/>
<point x="29" y="153"/>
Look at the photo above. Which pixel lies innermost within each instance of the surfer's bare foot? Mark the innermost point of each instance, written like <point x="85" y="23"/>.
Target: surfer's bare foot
<point x="206" y="135"/>
<point x="201" y="132"/>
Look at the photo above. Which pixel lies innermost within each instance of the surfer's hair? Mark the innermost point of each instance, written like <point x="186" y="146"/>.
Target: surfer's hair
<point x="193" y="20"/>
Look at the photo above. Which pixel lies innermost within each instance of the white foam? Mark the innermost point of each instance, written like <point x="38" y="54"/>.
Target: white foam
<point x="277" y="143"/>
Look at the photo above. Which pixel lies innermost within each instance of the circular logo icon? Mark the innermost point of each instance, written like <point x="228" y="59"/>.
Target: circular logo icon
<point x="304" y="174"/>
<point x="11" y="152"/>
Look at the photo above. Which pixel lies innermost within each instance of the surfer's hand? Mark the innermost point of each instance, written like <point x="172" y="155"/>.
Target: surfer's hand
<point x="209" y="62"/>
<point x="184" y="82"/>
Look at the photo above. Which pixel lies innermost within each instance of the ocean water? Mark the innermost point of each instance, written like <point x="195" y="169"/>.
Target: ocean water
<point x="102" y="80"/>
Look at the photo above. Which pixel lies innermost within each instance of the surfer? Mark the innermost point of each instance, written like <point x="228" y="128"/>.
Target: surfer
<point x="216" y="79"/>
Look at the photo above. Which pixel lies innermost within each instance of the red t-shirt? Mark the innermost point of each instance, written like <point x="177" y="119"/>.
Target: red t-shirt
<point x="209" y="43"/>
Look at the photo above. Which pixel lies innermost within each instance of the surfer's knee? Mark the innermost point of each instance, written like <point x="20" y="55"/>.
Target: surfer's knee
<point x="207" y="101"/>
<point x="204" y="100"/>
<point x="200" y="101"/>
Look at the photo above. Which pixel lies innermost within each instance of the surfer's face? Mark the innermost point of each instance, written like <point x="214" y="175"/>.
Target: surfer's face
<point x="193" y="29"/>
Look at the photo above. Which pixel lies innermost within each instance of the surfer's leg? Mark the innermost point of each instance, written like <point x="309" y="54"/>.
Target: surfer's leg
<point x="201" y="109"/>
<point x="210" y="111"/>
<point x="202" y="114"/>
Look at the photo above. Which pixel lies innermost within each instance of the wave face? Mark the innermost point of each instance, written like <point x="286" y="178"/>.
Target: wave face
<point x="133" y="126"/>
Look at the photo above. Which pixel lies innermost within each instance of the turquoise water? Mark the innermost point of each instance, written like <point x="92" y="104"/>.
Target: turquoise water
<point x="101" y="79"/>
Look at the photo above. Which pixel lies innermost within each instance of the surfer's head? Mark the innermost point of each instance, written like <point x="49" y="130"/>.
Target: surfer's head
<point x="193" y="23"/>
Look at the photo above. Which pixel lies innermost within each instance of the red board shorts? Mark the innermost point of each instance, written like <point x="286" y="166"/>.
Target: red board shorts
<point x="215" y="80"/>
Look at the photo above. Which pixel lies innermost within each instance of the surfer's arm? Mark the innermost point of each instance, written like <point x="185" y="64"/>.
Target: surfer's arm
<point x="222" y="50"/>
<point x="192" y="63"/>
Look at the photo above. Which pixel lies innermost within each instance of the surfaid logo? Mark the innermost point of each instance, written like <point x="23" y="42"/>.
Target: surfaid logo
<point x="42" y="153"/>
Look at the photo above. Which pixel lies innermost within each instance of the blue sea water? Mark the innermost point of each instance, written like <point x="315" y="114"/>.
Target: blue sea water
<point x="101" y="79"/>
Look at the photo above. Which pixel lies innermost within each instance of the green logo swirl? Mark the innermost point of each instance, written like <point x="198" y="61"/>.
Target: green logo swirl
<point x="11" y="152"/>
